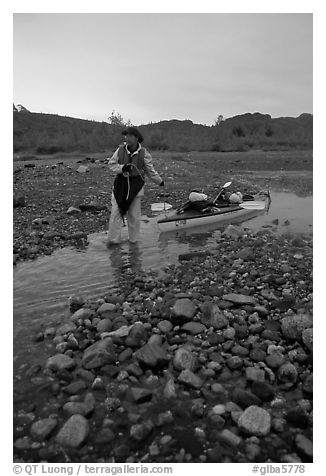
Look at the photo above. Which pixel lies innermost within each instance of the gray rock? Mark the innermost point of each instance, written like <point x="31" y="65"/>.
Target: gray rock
<point x="140" y="431"/>
<point x="304" y="445"/>
<point x="99" y="354"/>
<point x="230" y="438"/>
<point x="140" y="395"/>
<point x="165" y="326"/>
<point x="240" y="299"/>
<point x="60" y="362"/>
<point x="188" y="378"/>
<point x="234" y="362"/>
<point x="138" y="336"/>
<point x="184" y="308"/>
<point x="74" y="432"/>
<point x="73" y="211"/>
<point x="254" y="374"/>
<point x="255" y="421"/>
<point x="287" y="373"/>
<point x="233" y="231"/>
<point x="292" y="326"/>
<point x="65" y="328"/>
<point x="307" y="338"/>
<point x="193" y="328"/>
<point x="170" y="389"/>
<point x="213" y="316"/>
<point x="152" y="356"/>
<point x="106" y="309"/>
<point x="184" y="359"/>
<point x="41" y="429"/>
<point x="105" y="325"/>
<point x="82" y="314"/>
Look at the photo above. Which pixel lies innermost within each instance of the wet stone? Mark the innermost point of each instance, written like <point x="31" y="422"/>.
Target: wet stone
<point x="60" y="362"/>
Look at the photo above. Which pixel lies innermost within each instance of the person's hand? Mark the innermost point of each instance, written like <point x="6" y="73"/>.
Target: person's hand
<point x="162" y="183"/>
<point x="126" y="168"/>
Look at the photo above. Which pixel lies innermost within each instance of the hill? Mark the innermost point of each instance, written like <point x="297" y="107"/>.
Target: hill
<point x="40" y="133"/>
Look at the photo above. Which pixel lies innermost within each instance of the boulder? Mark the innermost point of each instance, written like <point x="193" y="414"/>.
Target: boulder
<point x="74" y="432"/>
<point x="99" y="354"/>
<point x="255" y="421"/>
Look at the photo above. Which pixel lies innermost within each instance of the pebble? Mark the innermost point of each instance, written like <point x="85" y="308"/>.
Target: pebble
<point x="184" y="359"/>
<point x="41" y="429"/>
<point x="255" y="421"/>
<point x="74" y="432"/>
<point x="188" y="378"/>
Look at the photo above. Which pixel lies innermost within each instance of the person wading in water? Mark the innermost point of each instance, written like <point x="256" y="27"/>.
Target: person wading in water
<point x="131" y="162"/>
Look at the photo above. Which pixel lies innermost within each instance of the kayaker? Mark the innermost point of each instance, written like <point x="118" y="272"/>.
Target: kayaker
<point x="131" y="162"/>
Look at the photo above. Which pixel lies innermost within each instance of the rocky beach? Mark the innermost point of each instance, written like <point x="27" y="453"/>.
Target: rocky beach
<point x="209" y="359"/>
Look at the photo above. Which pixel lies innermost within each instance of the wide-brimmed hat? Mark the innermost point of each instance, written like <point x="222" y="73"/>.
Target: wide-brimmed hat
<point x="134" y="132"/>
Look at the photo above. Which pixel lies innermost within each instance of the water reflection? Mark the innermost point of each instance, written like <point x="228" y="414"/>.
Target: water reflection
<point x="123" y="260"/>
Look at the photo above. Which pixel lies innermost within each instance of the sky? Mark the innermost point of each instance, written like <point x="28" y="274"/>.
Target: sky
<point x="152" y="67"/>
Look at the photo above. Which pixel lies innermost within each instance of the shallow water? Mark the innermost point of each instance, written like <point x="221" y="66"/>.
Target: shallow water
<point x="42" y="287"/>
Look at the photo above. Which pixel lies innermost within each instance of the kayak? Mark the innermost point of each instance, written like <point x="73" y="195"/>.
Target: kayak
<point x="222" y="213"/>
